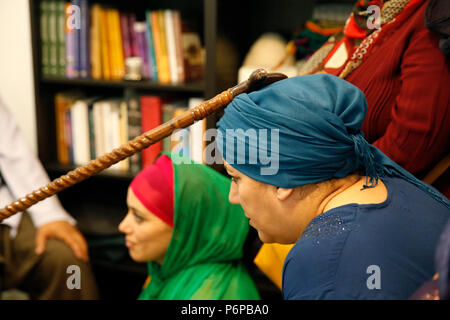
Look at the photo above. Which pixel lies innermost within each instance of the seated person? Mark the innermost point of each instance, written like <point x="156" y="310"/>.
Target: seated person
<point x="180" y="221"/>
<point x="363" y="227"/>
<point x="404" y="76"/>
<point x="37" y="246"/>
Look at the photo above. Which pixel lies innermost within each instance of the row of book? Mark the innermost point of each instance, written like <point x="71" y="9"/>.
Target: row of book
<point x="89" y="127"/>
<point x="80" y="40"/>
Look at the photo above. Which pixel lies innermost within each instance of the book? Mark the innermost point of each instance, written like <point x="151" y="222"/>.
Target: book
<point x="165" y="67"/>
<point x="151" y="117"/>
<point x="63" y="102"/>
<point x="79" y="115"/>
<point x="45" y="41"/>
<point x="98" y="131"/>
<point x="197" y="132"/>
<point x="151" y="48"/>
<point x="133" y="40"/>
<point x="123" y="122"/>
<point x="154" y="22"/>
<point x="84" y="67"/>
<point x="171" y="47"/>
<point x="126" y="35"/>
<point x="61" y="36"/>
<point x="72" y="42"/>
<point x="179" y="45"/>
<point x="140" y="30"/>
<point x="104" y="45"/>
<point x="134" y="126"/>
<point x="118" y="44"/>
<point x="95" y="43"/>
<point x="110" y="36"/>
<point x="52" y="38"/>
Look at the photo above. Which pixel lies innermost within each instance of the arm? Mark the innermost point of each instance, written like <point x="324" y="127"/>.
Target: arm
<point x="23" y="173"/>
<point x="417" y="136"/>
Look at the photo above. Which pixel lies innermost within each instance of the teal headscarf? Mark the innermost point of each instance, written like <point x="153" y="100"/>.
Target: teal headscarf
<point x="318" y="120"/>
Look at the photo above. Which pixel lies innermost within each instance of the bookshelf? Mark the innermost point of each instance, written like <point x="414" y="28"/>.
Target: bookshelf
<point x="99" y="203"/>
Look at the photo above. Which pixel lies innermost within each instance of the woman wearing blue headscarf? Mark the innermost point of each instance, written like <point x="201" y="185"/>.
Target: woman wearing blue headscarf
<point x="363" y="227"/>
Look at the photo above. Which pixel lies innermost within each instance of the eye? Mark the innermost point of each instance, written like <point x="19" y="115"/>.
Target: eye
<point x="137" y="217"/>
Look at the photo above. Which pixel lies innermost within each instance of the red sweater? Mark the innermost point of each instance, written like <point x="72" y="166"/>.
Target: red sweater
<point x="406" y="81"/>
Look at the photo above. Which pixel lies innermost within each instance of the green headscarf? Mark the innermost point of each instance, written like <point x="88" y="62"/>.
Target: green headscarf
<point x="204" y="257"/>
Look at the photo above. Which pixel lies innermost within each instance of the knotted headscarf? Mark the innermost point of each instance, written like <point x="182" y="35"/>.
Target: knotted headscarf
<point x="317" y="119"/>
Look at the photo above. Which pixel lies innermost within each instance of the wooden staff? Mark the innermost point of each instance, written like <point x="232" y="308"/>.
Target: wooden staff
<point x="257" y="79"/>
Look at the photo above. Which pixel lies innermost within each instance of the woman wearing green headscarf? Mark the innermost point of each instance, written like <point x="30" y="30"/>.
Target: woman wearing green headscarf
<point x="181" y="223"/>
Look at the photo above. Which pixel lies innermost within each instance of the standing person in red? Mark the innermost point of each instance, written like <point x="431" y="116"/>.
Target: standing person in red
<point x="404" y="76"/>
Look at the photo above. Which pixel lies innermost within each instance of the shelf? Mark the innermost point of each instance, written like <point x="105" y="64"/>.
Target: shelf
<point x="57" y="169"/>
<point x="197" y="87"/>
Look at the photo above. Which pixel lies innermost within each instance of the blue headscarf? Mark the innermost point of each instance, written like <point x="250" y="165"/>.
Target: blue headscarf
<point x="317" y="120"/>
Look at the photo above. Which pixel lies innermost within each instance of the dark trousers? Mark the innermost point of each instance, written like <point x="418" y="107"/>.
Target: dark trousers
<point x="44" y="276"/>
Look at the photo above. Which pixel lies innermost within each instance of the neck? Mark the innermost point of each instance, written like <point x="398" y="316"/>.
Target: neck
<point x="334" y="189"/>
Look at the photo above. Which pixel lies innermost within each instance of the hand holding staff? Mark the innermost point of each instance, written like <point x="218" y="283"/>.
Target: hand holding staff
<point x="257" y="79"/>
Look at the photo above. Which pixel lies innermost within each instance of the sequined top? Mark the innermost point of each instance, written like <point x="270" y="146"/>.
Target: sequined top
<point x="371" y="251"/>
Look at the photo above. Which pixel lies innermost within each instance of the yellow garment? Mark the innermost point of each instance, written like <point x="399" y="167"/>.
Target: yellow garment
<point x="270" y="260"/>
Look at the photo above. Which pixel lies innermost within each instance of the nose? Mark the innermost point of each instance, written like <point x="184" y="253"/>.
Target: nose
<point x="233" y="195"/>
<point x="125" y="225"/>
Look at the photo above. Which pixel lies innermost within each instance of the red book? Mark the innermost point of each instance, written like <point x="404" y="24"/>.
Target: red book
<point x="151" y="117"/>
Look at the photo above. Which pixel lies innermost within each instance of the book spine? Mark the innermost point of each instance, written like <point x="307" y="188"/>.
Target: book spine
<point x="179" y="46"/>
<point x="91" y="133"/>
<point x="53" y="38"/>
<point x="95" y="43"/>
<point x="165" y="72"/>
<point x="77" y="34"/>
<point x="126" y="37"/>
<point x="70" y="45"/>
<point x="118" y="44"/>
<point x="151" y="48"/>
<point x="133" y="40"/>
<point x="106" y="67"/>
<point x="84" y="40"/>
<point x="45" y="63"/>
<point x="139" y="29"/>
<point x="150" y="118"/>
<point x="171" y="49"/>
<point x="154" y="18"/>
<point x="134" y="128"/>
<point x="61" y="34"/>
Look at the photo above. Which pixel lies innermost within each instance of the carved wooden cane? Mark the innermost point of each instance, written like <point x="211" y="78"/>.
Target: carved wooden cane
<point x="257" y="79"/>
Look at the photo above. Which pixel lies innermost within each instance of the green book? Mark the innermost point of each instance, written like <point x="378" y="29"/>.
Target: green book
<point x="45" y="59"/>
<point x="61" y="37"/>
<point x="53" y="38"/>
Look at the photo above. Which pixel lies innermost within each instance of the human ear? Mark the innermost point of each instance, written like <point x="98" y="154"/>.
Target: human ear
<point x="284" y="193"/>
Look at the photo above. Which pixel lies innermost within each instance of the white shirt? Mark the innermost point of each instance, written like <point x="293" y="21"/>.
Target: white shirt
<point x="23" y="173"/>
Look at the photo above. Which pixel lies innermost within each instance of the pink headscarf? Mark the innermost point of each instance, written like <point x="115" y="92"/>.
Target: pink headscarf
<point x="154" y="187"/>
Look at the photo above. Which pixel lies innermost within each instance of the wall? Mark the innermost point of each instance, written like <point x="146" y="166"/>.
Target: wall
<point x="16" y="70"/>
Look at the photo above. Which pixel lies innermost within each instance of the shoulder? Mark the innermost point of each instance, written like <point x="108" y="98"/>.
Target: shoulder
<point x="311" y="266"/>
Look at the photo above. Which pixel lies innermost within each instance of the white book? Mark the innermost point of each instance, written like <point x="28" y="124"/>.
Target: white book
<point x="197" y="130"/>
<point x="125" y="164"/>
<point x="114" y="129"/>
<point x="98" y="129"/>
<point x="79" y="115"/>
<point x="171" y="46"/>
